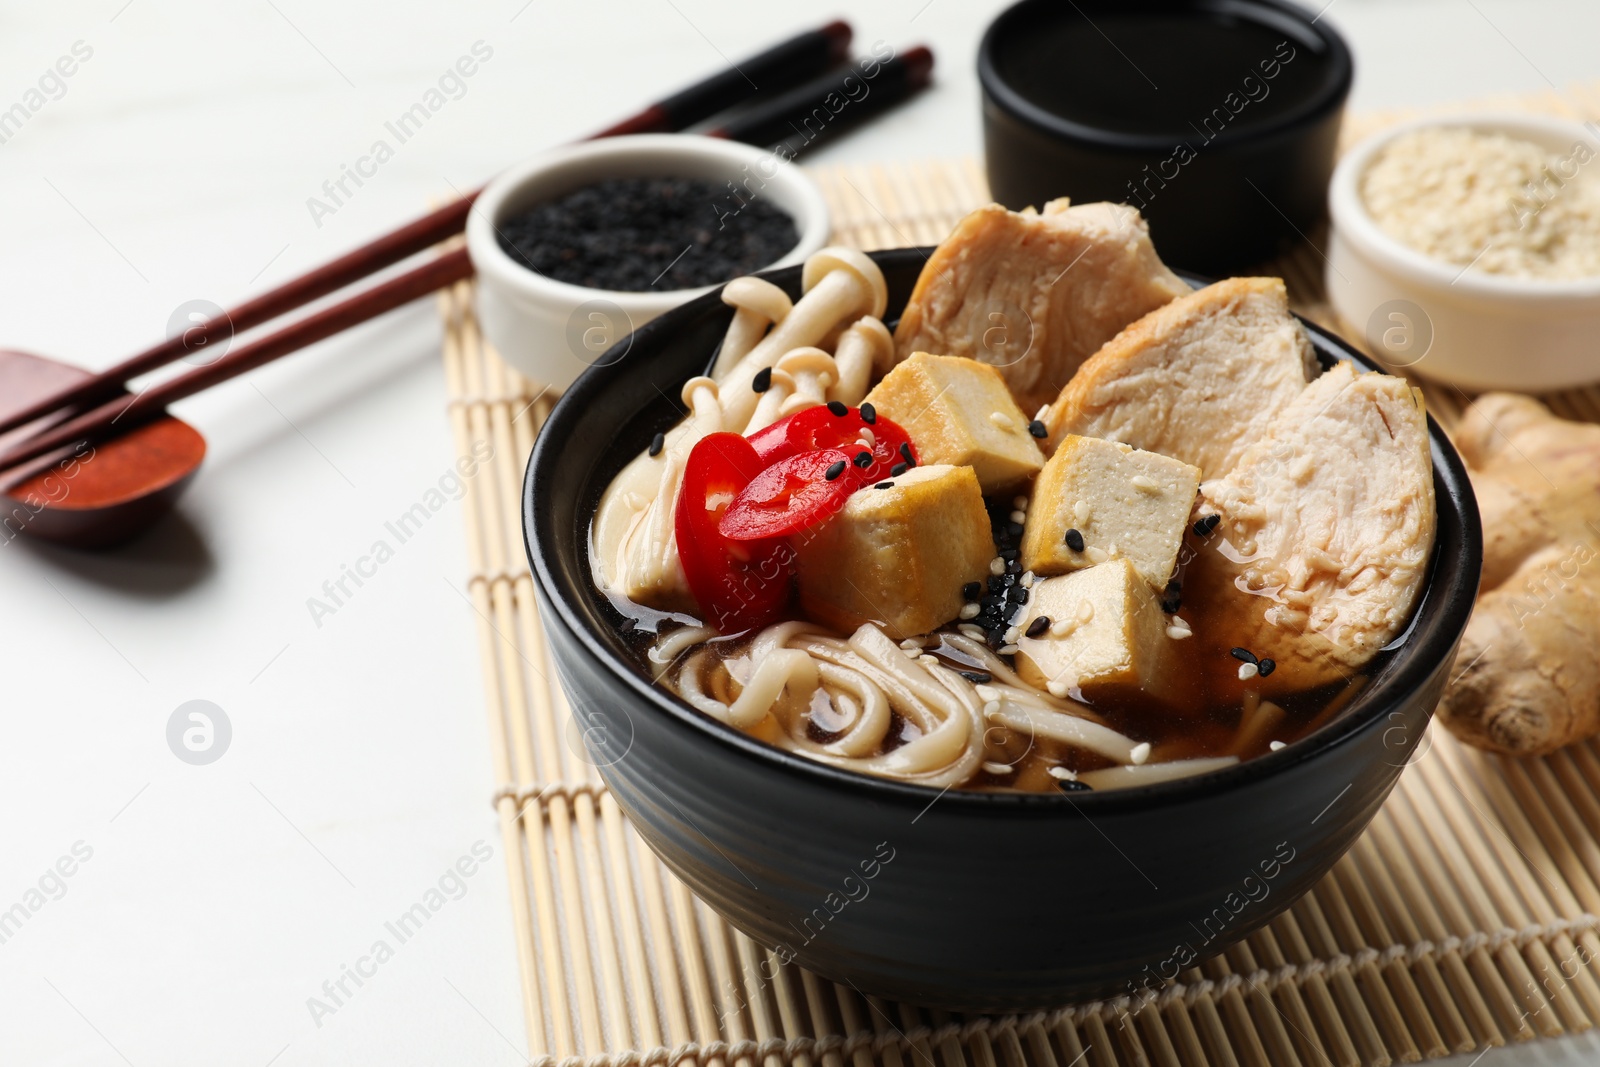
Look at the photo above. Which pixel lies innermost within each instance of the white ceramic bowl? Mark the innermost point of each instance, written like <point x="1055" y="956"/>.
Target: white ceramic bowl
<point x="1479" y="331"/>
<point x="552" y="331"/>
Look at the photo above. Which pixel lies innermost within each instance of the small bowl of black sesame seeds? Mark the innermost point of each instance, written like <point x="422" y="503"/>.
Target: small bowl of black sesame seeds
<point x="578" y="247"/>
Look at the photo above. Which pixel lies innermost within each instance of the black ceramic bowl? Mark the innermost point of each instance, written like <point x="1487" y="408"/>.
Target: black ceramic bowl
<point x="1216" y="118"/>
<point x="974" y="901"/>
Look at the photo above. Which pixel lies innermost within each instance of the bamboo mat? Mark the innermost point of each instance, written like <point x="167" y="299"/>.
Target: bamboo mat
<point x="1465" y="917"/>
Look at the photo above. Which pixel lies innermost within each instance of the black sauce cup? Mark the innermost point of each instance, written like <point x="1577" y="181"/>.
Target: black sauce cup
<point x="971" y="901"/>
<point x="1239" y="170"/>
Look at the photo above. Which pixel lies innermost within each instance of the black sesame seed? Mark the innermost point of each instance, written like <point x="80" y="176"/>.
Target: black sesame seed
<point x="869" y="414"/>
<point x="1013" y="567"/>
<point x="1074" y="540"/>
<point x="1014" y="529"/>
<point x="1038" y="429"/>
<point x="834" y="470"/>
<point x="1038" y="626"/>
<point x="1172" y="599"/>
<point x="633" y="234"/>
<point x="1204" y="527"/>
<point x="972" y="591"/>
<point x="884" y="485"/>
<point x="1266" y="667"/>
<point x="1072" y="785"/>
<point x="898" y="469"/>
<point x="1017" y="594"/>
<point x="905" y="453"/>
<point x="1008" y="554"/>
<point x="977" y="677"/>
<point x="762" y="381"/>
<point x="837" y="409"/>
<point x="863" y="460"/>
<point x="657" y="443"/>
<point x="1243" y="654"/>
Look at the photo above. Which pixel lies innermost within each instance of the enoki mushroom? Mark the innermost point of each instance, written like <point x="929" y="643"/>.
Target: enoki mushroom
<point x="634" y="551"/>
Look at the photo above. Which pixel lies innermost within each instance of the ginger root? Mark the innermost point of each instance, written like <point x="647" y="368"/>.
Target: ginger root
<point x="1527" y="677"/>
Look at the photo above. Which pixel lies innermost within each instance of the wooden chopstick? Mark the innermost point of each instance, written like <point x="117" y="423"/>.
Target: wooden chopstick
<point x="787" y="64"/>
<point x="125" y="412"/>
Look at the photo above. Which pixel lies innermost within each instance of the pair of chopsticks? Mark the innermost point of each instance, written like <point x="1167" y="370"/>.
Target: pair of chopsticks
<point x="784" y="85"/>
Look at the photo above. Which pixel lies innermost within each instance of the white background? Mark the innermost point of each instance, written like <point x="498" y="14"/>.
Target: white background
<point x="177" y="166"/>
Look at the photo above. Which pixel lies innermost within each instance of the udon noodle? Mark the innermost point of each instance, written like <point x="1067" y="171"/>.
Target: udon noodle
<point x="838" y="701"/>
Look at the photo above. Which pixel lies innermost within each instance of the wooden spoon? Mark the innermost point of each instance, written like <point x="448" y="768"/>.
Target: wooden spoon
<point x="89" y="495"/>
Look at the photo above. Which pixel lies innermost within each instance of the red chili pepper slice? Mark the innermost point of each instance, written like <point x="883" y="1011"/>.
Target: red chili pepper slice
<point x="818" y="428"/>
<point x="791" y="495"/>
<point x="739" y="585"/>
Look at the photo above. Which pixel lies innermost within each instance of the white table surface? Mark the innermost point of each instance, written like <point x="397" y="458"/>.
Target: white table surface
<point x="176" y="166"/>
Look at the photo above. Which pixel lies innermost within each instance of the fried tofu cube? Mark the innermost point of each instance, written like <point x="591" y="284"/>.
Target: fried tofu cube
<point x="1106" y="636"/>
<point x="959" y="411"/>
<point x="1123" y="504"/>
<point x="897" y="556"/>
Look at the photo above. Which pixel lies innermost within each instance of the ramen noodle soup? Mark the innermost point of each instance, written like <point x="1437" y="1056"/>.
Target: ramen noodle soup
<point x="1159" y="541"/>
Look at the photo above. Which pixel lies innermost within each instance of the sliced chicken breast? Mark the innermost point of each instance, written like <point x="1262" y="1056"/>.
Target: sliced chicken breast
<point x="1326" y="525"/>
<point x="1199" y="379"/>
<point x="1035" y="294"/>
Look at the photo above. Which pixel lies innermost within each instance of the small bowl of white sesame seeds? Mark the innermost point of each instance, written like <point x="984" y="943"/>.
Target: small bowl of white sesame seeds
<point x="1468" y="247"/>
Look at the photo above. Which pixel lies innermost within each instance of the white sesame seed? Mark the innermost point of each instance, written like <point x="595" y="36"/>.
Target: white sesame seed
<point x="974" y="632"/>
<point x="1096" y="555"/>
<point x="1140" y="753"/>
<point x="1058" y="689"/>
<point x="997" y="768"/>
<point x="1248" y="671"/>
<point x="868" y="437"/>
<point x="1039" y="415"/>
<point x="927" y="660"/>
<point x="1275" y="745"/>
<point x="997" y="566"/>
<point x="910" y="643"/>
<point x="1178" y="633"/>
<point x="988" y="693"/>
<point x="1011" y="635"/>
<point x="991" y="708"/>
<point x="1008" y="650"/>
<point x="1027" y="579"/>
<point x="1080" y="512"/>
<point x="1111" y="549"/>
<point x="1145" y="484"/>
<point x="970" y="611"/>
<point x="1020" y="503"/>
<point x="1085" y="611"/>
<point x="1063" y="627"/>
<point x="1002" y="421"/>
<point x="1019" y="516"/>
